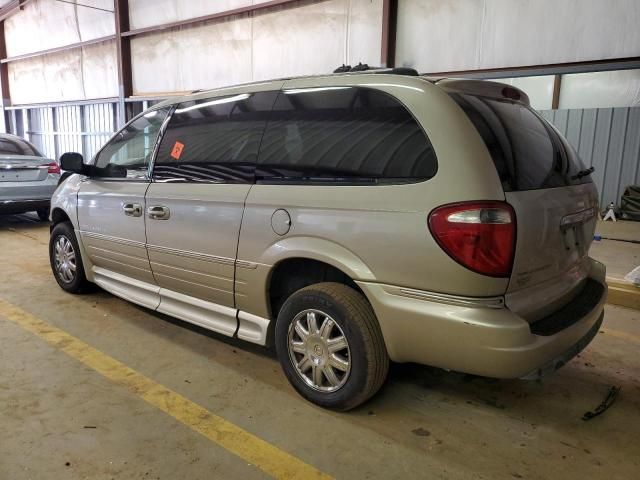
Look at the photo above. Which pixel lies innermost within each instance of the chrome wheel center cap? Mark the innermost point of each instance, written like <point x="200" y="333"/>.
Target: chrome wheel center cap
<point x="316" y="349"/>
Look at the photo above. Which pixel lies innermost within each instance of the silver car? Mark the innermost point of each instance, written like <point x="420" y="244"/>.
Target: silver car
<point x="27" y="178"/>
<point x="348" y="220"/>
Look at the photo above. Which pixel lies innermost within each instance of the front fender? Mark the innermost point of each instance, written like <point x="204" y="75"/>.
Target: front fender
<point x="65" y="198"/>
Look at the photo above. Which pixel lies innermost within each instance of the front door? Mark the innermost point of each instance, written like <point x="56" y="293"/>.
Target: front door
<point x="201" y="178"/>
<point x="111" y="211"/>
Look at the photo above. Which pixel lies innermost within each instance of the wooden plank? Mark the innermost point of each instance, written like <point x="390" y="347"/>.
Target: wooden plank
<point x="623" y="294"/>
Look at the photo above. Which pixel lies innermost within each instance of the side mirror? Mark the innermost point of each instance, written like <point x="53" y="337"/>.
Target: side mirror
<point x="72" y="162"/>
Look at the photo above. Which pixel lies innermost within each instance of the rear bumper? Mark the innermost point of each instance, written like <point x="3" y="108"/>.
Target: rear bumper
<point x="21" y="206"/>
<point x="19" y="197"/>
<point x="481" y="337"/>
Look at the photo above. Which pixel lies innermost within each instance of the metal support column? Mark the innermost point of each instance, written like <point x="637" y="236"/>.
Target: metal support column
<point x="389" y="24"/>
<point x="123" y="49"/>
<point x="4" y="84"/>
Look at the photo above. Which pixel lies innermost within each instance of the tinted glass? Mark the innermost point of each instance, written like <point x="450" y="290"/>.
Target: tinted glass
<point x="17" y="146"/>
<point x="527" y="151"/>
<point x="214" y="140"/>
<point x="344" y="134"/>
<point x="132" y="148"/>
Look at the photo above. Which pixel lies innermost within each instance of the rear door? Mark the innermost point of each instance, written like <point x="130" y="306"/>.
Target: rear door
<point x="554" y="199"/>
<point x="111" y="211"/>
<point x="202" y="175"/>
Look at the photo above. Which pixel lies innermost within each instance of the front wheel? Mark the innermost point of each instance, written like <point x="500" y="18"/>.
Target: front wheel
<point x="330" y="346"/>
<point x="64" y="256"/>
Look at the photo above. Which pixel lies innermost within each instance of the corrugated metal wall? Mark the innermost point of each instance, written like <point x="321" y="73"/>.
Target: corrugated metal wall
<point x="607" y="139"/>
<point x="58" y="128"/>
<point x="82" y="128"/>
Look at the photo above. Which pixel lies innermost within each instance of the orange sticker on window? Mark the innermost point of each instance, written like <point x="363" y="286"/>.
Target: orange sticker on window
<point x="177" y="150"/>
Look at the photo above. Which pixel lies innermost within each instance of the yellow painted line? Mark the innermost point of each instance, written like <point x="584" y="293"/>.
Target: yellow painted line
<point x="623" y="294"/>
<point x="630" y="337"/>
<point x="267" y="457"/>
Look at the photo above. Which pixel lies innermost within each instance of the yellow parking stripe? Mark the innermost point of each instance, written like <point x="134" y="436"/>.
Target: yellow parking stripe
<point x="630" y="337"/>
<point x="267" y="457"/>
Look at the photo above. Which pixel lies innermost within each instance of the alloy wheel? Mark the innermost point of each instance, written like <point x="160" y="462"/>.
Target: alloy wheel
<point x="319" y="350"/>
<point x="65" y="259"/>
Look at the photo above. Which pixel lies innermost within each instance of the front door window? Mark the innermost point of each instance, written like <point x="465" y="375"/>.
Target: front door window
<point x="129" y="153"/>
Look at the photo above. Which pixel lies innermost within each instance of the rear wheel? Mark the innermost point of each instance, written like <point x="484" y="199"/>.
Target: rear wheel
<point x="43" y="214"/>
<point x="64" y="256"/>
<point x="330" y="346"/>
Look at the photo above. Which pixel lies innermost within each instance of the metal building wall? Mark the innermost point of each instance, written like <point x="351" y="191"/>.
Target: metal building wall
<point x="56" y="129"/>
<point x="607" y="139"/>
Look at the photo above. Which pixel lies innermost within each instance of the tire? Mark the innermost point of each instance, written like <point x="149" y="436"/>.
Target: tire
<point x="63" y="236"/>
<point x="363" y="363"/>
<point x="43" y="214"/>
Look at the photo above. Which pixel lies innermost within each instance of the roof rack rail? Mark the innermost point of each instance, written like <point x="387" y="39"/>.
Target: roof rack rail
<point x="342" y="69"/>
<point x="363" y="67"/>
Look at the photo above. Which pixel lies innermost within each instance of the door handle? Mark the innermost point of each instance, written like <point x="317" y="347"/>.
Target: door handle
<point x="158" y="212"/>
<point x="132" y="209"/>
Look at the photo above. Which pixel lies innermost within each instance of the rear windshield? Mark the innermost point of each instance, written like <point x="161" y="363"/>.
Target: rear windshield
<point x="526" y="150"/>
<point x="17" y="146"/>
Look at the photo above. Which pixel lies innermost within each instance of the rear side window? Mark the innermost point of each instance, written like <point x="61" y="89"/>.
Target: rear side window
<point x="344" y="135"/>
<point x="214" y="140"/>
<point x="17" y="146"/>
<point x="526" y="150"/>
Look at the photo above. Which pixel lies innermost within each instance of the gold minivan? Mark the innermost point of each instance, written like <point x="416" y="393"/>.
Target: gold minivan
<point x="349" y="220"/>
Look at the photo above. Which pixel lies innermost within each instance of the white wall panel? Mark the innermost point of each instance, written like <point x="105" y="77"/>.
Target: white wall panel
<point x="365" y="32"/>
<point x="145" y="13"/>
<point x="95" y="23"/>
<point x="206" y="56"/>
<point x="439" y="35"/>
<point x="305" y="40"/>
<point x="45" y="24"/>
<point x="76" y="74"/>
<point x="600" y="90"/>
<point x="449" y="35"/>
<point x="100" y="70"/>
<point x="315" y="37"/>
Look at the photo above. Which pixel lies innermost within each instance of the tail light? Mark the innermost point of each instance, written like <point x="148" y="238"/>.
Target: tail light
<point x="480" y="236"/>
<point x="53" y="167"/>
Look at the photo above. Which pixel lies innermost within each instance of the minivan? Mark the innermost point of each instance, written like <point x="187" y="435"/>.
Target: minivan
<point x="349" y="220"/>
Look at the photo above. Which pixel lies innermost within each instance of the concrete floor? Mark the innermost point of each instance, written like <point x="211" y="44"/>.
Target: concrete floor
<point x="620" y="248"/>
<point x="60" y="419"/>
